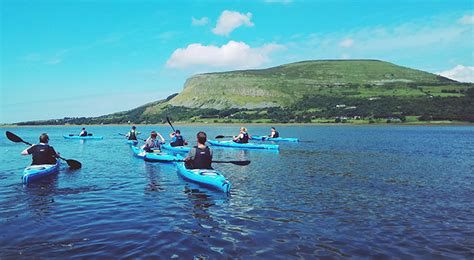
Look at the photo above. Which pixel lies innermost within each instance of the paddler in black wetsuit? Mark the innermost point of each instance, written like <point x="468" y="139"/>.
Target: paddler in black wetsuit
<point x="42" y="153"/>
<point x="200" y="156"/>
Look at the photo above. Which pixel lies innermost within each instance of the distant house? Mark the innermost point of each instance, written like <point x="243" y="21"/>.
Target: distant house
<point x="374" y="98"/>
<point x="352" y="107"/>
<point x="340" y="106"/>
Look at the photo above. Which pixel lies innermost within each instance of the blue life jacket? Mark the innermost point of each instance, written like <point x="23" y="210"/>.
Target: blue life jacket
<point x="177" y="141"/>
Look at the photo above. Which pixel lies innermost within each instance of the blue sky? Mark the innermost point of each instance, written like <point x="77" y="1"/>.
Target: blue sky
<point x="89" y="58"/>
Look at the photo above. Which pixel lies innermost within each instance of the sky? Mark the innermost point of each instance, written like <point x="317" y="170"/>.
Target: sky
<point x="71" y="58"/>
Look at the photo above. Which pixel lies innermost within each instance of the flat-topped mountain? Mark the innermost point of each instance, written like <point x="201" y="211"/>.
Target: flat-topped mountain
<point x="307" y="91"/>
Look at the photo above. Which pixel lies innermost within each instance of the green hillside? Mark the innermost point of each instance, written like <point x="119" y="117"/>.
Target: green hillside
<point x="310" y="91"/>
<point x="284" y="85"/>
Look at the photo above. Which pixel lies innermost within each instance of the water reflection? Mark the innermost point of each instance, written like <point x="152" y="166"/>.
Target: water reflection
<point x="152" y="172"/>
<point x="40" y="195"/>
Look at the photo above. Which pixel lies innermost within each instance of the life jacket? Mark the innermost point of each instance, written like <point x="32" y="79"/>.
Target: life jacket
<point x="177" y="141"/>
<point x="83" y="133"/>
<point x="276" y="135"/>
<point x="244" y="139"/>
<point x="132" y="135"/>
<point x="42" y="154"/>
<point x="202" y="158"/>
<point x="151" y="145"/>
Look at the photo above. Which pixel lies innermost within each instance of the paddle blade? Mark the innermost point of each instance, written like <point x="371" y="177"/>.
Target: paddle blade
<point x="74" y="164"/>
<point x="240" y="163"/>
<point x="219" y="136"/>
<point x="13" y="137"/>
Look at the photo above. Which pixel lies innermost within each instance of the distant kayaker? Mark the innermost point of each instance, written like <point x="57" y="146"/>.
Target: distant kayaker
<point x="132" y="135"/>
<point x="83" y="132"/>
<point x="200" y="156"/>
<point x="274" y="133"/>
<point x="243" y="136"/>
<point x="177" y="139"/>
<point x="42" y="153"/>
<point x="151" y="144"/>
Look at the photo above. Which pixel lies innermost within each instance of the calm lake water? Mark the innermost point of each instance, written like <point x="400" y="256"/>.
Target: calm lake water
<point x="345" y="191"/>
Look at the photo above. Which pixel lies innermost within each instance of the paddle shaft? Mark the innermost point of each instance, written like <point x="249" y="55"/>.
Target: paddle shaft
<point x="169" y="122"/>
<point x="133" y="140"/>
<point x="240" y="163"/>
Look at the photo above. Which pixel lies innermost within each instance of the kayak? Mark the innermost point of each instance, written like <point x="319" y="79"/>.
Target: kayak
<point x="209" y="178"/>
<point x="132" y="142"/>
<point x="152" y="157"/>
<point x="89" y="137"/>
<point x="277" y="139"/>
<point x="34" y="172"/>
<point x="178" y="149"/>
<point x="240" y="145"/>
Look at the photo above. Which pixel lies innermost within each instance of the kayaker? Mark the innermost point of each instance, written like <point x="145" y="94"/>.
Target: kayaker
<point x="151" y="144"/>
<point x="200" y="156"/>
<point x="177" y="139"/>
<point x="243" y="136"/>
<point x="274" y="133"/>
<point x="132" y="135"/>
<point x="83" y="132"/>
<point x="42" y="153"/>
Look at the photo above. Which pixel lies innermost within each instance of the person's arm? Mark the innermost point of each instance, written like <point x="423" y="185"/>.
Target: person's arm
<point x="27" y="150"/>
<point x="161" y="137"/>
<point x="128" y="134"/>
<point x="191" y="155"/>
<point x="146" y="145"/>
<point x="172" y="135"/>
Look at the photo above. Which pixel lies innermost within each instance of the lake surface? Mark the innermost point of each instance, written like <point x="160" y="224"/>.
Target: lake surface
<point x="344" y="191"/>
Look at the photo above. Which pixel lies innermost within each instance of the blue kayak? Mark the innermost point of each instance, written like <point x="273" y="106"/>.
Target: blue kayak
<point x="209" y="178"/>
<point x="35" y="172"/>
<point x="132" y="142"/>
<point x="276" y="139"/>
<point x="245" y="146"/>
<point x="152" y="157"/>
<point x="89" y="137"/>
<point x="178" y="149"/>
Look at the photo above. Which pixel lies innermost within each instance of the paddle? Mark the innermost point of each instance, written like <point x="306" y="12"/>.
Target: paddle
<point x="224" y="136"/>
<point x="16" y="139"/>
<point x="169" y="122"/>
<point x="240" y="163"/>
<point x="133" y="140"/>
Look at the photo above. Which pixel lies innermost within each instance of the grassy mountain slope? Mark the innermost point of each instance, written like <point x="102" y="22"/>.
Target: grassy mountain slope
<point x="284" y="85"/>
<point x="308" y="91"/>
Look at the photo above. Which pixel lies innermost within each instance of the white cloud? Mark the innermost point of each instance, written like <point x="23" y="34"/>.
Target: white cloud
<point x="231" y="55"/>
<point x="467" y="19"/>
<point x="346" y="43"/>
<point x="199" y="22"/>
<point x="460" y="73"/>
<point x="230" y="20"/>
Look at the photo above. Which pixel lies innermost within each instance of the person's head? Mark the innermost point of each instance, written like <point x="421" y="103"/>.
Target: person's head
<point x="153" y="135"/>
<point x="44" y="138"/>
<point x="273" y="129"/>
<point x="83" y="128"/>
<point x="177" y="132"/>
<point x="133" y="128"/>
<point x="201" y="137"/>
<point x="243" y="129"/>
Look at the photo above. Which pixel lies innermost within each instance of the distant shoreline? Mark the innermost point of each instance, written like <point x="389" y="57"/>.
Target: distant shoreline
<point x="258" y="124"/>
